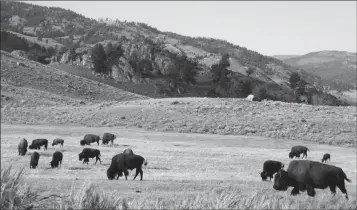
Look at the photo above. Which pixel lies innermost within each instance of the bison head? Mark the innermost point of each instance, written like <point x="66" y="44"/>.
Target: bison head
<point x="53" y="164"/>
<point x="110" y="174"/>
<point x="83" y="142"/>
<point x="291" y="155"/>
<point x="263" y="175"/>
<point x="281" y="180"/>
<point x="80" y="155"/>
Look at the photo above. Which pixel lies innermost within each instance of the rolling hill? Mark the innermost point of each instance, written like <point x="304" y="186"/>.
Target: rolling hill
<point x="162" y="59"/>
<point x="339" y="66"/>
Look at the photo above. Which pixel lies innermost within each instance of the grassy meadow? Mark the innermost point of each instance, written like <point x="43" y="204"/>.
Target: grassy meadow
<point x="184" y="171"/>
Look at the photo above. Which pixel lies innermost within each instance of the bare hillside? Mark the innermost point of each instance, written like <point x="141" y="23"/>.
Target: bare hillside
<point x="28" y="83"/>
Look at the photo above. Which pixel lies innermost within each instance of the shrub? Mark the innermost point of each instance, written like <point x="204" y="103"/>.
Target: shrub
<point x="294" y="79"/>
<point x="99" y="59"/>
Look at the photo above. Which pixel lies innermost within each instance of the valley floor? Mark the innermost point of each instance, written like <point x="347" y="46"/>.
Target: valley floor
<point x="181" y="167"/>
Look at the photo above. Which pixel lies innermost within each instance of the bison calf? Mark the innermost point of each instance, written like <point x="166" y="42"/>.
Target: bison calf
<point x="305" y="174"/>
<point x="326" y="157"/>
<point x="108" y="137"/>
<point x="58" y="141"/>
<point x="122" y="162"/>
<point x="89" y="153"/>
<point x="37" y="143"/>
<point x="270" y="167"/>
<point x="22" y="147"/>
<point x="34" y="159"/>
<point x="56" y="159"/>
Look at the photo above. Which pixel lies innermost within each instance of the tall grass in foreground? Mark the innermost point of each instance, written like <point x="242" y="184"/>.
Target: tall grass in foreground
<point x="16" y="196"/>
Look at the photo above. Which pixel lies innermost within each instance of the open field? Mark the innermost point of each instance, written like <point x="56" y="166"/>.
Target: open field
<point x="183" y="171"/>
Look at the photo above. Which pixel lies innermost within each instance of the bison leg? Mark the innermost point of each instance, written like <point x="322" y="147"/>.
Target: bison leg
<point x="100" y="161"/>
<point x="342" y="188"/>
<point x="136" y="172"/>
<point x="310" y="190"/>
<point x="295" y="190"/>
<point x="333" y="189"/>
<point x="141" y="175"/>
<point x="118" y="176"/>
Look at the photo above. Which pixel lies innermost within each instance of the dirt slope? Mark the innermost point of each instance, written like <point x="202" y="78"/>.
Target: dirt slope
<point x="28" y="83"/>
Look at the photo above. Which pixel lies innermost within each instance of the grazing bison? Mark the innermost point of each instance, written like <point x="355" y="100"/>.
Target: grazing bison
<point x="37" y="143"/>
<point x="306" y="174"/>
<point x="270" y="167"/>
<point x="325" y="157"/>
<point x="58" y="141"/>
<point x="56" y="159"/>
<point x="84" y="142"/>
<point x="22" y="147"/>
<point x="34" y="159"/>
<point x="89" y="153"/>
<point x="297" y="150"/>
<point x="122" y="162"/>
<point x="108" y="137"/>
<point x="128" y="151"/>
<point x="90" y="138"/>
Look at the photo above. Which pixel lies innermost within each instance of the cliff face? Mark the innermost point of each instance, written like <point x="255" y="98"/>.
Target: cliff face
<point x="140" y="60"/>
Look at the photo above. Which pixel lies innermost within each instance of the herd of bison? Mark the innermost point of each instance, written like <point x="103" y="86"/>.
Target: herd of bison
<point x="302" y="175"/>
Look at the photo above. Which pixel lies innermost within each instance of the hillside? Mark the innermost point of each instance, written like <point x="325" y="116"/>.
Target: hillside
<point x="282" y="57"/>
<point x="26" y="83"/>
<point x="339" y="66"/>
<point x="176" y="65"/>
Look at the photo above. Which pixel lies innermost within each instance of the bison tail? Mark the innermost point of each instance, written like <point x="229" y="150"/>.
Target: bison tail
<point x="145" y="162"/>
<point x="347" y="179"/>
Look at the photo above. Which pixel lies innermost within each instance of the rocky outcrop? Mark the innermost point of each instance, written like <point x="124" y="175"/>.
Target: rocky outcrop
<point x="20" y="53"/>
<point x="140" y="58"/>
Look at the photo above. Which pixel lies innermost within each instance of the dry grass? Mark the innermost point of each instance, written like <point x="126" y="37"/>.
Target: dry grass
<point x="185" y="171"/>
<point x="88" y="197"/>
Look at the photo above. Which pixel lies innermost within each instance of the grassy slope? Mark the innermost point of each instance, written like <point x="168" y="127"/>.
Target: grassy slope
<point x="184" y="170"/>
<point x="34" y="83"/>
<point x="331" y="125"/>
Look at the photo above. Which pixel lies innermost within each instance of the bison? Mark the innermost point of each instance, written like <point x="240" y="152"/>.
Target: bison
<point x="56" y="159"/>
<point x="22" y="147"/>
<point x="90" y="138"/>
<point x="37" y="143"/>
<point x="34" y="159"/>
<point x="90" y="153"/>
<point x="122" y="162"/>
<point x="108" y="137"/>
<point x="128" y="151"/>
<point x="270" y="167"/>
<point x="297" y="150"/>
<point x="58" y="141"/>
<point x="326" y="157"/>
<point x="308" y="175"/>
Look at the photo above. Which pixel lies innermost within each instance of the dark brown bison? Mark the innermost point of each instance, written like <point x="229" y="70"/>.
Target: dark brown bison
<point x="122" y="162"/>
<point x="34" y="159"/>
<point x="270" y="167"/>
<point x="108" y="137"/>
<point x="58" y="141"/>
<point x="89" y="153"/>
<point x="308" y="175"/>
<point x="56" y="159"/>
<point x="37" y="143"/>
<point x="326" y="157"/>
<point x="297" y="150"/>
<point x="22" y="147"/>
<point x="90" y="138"/>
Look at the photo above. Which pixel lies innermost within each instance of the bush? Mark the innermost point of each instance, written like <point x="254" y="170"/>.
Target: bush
<point x="294" y="79"/>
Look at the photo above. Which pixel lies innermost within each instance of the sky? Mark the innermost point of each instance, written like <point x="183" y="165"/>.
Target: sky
<point x="270" y="28"/>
